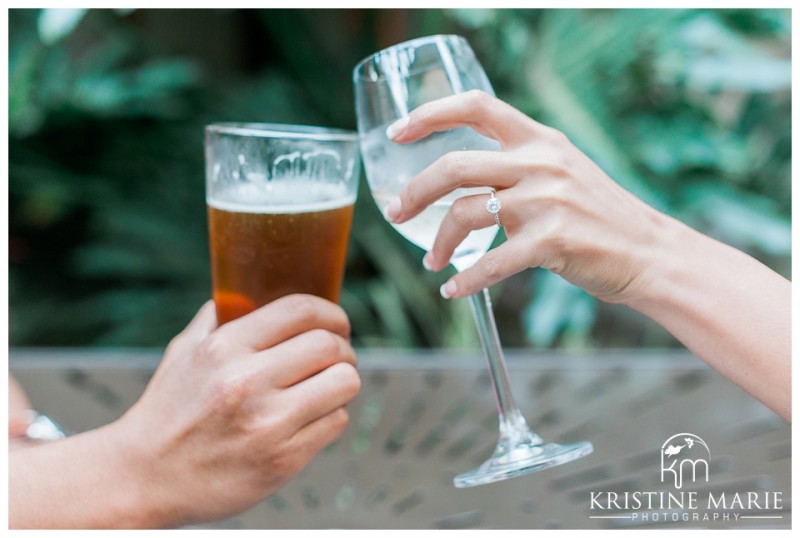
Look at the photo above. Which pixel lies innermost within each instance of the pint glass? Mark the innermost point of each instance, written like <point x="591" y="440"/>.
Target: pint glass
<point x="280" y="204"/>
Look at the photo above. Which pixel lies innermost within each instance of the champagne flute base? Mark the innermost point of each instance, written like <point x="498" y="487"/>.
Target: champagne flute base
<point x="519" y="459"/>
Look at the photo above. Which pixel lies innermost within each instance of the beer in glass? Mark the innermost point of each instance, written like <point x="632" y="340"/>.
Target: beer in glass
<point x="280" y="204"/>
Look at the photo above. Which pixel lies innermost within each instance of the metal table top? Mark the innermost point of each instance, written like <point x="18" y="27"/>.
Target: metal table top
<point x="423" y="417"/>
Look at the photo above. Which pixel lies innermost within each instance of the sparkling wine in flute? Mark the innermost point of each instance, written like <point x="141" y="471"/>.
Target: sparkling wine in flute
<point x="421" y="230"/>
<point x="390" y="166"/>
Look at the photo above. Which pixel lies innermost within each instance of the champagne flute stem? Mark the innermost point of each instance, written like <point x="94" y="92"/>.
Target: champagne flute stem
<point x="512" y="423"/>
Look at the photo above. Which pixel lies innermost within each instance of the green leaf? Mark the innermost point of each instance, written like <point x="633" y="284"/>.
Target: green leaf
<point x="377" y="240"/>
<point x="571" y="96"/>
<point x="742" y="219"/>
<point x="389" y="306"/>
<point x="474" y="17"/>
<point x="716" y="58"/>
<point x="142" y="91"/>
<point x="55" y="24"/>
<point x="558" y="306"/>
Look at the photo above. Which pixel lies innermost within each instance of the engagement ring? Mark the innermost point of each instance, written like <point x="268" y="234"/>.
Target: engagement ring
<point x="494" y="206"/>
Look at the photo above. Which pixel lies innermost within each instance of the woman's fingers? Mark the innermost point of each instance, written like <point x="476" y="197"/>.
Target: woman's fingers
<point x="455" y="170"/>
<point x="465" y="215"/>
<point x="497" y="264"/>
<point x="483" y="112"/>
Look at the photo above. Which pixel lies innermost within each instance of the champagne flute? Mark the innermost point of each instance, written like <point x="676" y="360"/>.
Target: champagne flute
<point x="388" y="85"/>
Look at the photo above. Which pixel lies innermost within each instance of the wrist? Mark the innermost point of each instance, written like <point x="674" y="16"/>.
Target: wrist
<point x="85" y="481"/>
<point x="123" y="472"/>
<point x="666" y="269"/>
<point x="638" y="263"/>
<point x="728" y="308"/>
<point x="146" y="490"/>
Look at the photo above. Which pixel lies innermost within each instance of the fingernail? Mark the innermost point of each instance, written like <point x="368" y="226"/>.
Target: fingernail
<point x="397" y="127"/>
<point x="448" y="289"/>
<point x="426" y="262"/>
<point x="392" y="211"/>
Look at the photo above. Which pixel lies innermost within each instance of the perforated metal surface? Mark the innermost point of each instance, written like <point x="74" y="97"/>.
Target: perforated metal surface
<point x="422" y="419"/>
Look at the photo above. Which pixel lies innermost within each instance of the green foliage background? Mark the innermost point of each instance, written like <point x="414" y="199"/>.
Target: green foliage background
<point x="689" y="109"/>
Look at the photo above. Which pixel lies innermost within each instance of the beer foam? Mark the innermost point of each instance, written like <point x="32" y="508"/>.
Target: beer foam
<point x="282" y="197"/>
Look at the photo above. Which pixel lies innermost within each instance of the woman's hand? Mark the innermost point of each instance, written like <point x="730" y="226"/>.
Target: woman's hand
<point x="559" y="210"/>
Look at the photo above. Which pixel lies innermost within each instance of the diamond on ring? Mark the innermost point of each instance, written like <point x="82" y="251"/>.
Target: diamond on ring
<point x="494" y="206"/>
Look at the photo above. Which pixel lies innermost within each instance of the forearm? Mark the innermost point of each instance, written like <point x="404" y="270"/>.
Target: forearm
<point x="18" y="418"/>
<point x="83" y="481"/>
<point x="726" y="307"/>
<point x="17" y="399"/>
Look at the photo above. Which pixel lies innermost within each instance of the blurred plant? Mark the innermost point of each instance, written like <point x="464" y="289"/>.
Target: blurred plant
<point x="687" y="108"/>
<point x="104" y="204"/>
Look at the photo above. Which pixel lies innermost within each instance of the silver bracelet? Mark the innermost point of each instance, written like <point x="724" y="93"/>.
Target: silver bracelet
<point x="40" y="428"/>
